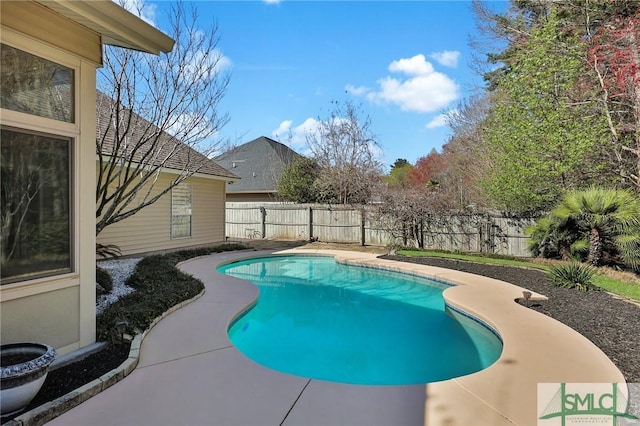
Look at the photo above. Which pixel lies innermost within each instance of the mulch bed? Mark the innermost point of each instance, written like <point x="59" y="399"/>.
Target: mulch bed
<point x="610" y="323"/>
<point x="65" y="379"/>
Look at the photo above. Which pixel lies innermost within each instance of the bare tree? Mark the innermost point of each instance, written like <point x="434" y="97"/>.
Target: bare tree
<point x="344" y="148"/>
<point x="464" y="154"/>
<point x="401" y="213"/>
<point x="157" y="113"/>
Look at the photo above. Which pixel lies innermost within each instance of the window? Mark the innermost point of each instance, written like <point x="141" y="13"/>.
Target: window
<point x="36" y="86"/>
<point x="181" y="211"/>
<point x="38" y="134"/>
<point x="36" y="204"/>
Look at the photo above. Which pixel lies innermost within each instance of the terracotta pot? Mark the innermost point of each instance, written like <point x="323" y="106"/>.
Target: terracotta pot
<point x="23" y="369"/>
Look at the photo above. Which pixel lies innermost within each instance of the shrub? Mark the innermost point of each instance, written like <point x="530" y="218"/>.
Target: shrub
<point x="572" y="275"/>
<point x="104" y="280"/>
<point x="599" y="225"/>
<point x="159" y="285"/>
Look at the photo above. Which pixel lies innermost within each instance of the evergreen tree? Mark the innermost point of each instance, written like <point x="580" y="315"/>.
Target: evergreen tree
<point x="298" y="179"/>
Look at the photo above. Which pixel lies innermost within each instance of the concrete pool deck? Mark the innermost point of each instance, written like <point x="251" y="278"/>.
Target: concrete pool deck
<point x="189" y="373"/>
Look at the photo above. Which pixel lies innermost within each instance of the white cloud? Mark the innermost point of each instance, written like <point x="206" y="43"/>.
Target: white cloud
<point x="204" y="62"/>
<point x="146" y="12"/>
<point x="356" y="91"/>
<point x="296" y="136"/>
<point x="224" y="62"/>
<point x="416" y="65"/>
<point x="425" y="93"/>
<point x="448" y="58"/>
<point x="194" y="130"/>
<point x="283" y="130"/>
<point x="272" y="1"/>
<point x="438" y="121"/>
<point x="424" y="90"/>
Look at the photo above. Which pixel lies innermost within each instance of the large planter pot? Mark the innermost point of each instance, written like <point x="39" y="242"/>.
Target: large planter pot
<point x="23" y="369"/>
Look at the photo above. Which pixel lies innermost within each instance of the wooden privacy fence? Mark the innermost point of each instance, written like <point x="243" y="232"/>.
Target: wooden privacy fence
<point x="363" y="225"/>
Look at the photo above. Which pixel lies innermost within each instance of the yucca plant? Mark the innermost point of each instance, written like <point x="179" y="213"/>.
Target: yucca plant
<point x="572" y="275"/>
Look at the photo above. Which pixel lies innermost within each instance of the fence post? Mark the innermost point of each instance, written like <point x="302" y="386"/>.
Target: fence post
<point x="491" y="236"/>
<point x="362" y="228"/>
<point x="263" y="219"/>
<point x="486" y="236"/>
<point x="310" y="211"/>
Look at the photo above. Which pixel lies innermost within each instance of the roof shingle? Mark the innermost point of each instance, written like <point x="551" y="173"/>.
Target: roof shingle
<point x="259" y="163"/>
<point x="159" y="146"/>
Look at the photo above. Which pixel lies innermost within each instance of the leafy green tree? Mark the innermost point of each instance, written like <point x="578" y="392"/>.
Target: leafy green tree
<point x="398" y="176"/>
<point x="542" y="129"/>
<point x="607" y="221"/>
<point x="298" y="181"/>
<point x="399" y="163"/>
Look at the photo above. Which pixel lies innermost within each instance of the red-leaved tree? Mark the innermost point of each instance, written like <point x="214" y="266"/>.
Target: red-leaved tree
<point x="426" y="170"/>
<point x="615" y="57"/>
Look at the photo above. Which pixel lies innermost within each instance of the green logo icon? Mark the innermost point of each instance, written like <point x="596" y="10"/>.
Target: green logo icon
<point x="589" y="403"/>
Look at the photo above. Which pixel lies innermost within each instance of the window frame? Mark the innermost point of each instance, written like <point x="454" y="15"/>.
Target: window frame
<point x="73" y="82"/>
<point x="182" y="186"/>
<point x="68" y="141"/>
<point x="27" y="123"/>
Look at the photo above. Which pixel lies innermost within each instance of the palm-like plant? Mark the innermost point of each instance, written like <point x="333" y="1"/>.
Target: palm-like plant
<point x="603" y="215"/>
<point x="550" y="238"/>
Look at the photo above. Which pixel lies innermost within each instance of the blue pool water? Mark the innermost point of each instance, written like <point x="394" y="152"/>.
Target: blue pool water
<point x="320" y="319"/>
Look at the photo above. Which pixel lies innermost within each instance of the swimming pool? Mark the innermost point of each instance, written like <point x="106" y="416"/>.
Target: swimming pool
<point x="324" y="320"/>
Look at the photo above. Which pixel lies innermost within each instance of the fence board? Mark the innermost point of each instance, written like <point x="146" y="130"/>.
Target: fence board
<point x="345" y="224"/>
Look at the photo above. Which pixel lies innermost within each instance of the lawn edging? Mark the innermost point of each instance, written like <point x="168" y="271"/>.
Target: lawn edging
<point x="629" y="291"/>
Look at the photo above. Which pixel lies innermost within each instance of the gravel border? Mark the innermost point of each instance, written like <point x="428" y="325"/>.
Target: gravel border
<point x="120" y="270"/>
<point x="610" y="322"/>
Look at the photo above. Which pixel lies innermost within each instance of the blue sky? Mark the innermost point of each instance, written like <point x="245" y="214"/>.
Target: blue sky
<point x="406" y="63"/>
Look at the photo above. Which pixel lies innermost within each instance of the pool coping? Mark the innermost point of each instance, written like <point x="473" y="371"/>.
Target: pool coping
<point x="536" y="349"/>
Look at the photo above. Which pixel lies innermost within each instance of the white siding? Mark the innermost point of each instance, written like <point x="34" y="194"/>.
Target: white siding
<point x="149" y="230"/>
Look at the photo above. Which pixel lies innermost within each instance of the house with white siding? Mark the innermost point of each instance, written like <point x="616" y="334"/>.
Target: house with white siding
<point x="191" y="214"/>
<point x="48" y="183"/>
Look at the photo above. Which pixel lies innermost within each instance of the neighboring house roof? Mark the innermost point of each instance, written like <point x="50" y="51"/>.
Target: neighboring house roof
<point x="259" y="163"/>
<point x="179" y="155"/>
<point x="117" y="26"/>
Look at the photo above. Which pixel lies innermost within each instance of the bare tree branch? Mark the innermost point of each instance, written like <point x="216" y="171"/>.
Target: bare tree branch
<point x="344" y="148"/>
<point x="157" y="114"/>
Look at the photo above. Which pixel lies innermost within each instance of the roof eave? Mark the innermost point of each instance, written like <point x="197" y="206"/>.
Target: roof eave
<point x="169" y="170"/>
<point x="117" y="26"/>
